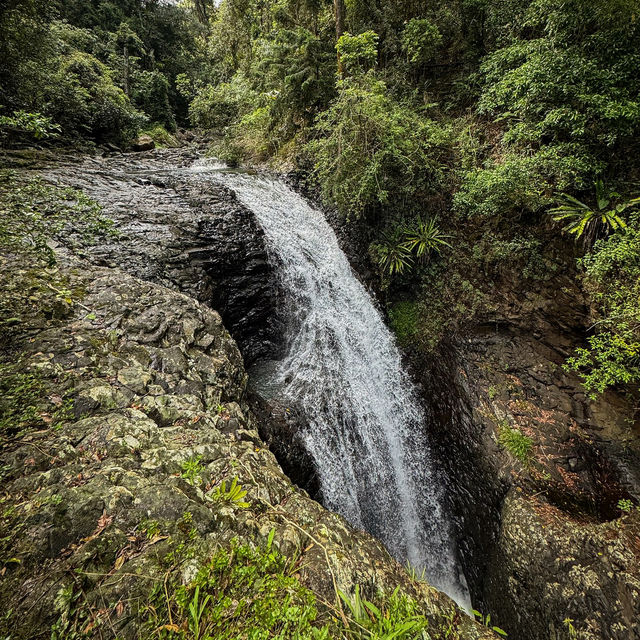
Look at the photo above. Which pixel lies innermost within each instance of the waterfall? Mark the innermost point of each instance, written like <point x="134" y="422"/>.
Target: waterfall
<point x="365" y="429"/>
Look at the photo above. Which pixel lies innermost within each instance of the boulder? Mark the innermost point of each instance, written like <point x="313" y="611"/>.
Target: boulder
<point x="144" y="143"/>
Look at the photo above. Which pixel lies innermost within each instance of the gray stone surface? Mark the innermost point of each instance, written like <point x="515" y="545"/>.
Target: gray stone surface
<point x="155" y="380"/>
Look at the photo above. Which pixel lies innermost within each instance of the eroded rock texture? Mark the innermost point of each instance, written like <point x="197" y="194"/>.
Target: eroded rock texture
<point x="147" y="378"/>
<point x="543" y="539"/>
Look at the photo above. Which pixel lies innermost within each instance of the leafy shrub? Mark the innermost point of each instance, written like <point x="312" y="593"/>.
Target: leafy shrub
<point x="519" y="254"/>
<point x="611" y="359"/>
<point x="373" y="151"/>
<point x="421" y="39"/>
<point x="34" y="125"/>
<point x="612" y="278"/>
<point x="161" y="136"/>
<point x="502" y="190"/>
<point x="358" y="53"/>
<point x="84" y="99"/>
<point x="150" y="93"/>
<point x="299" y="67"/>
<point x="216" y="107"/>
<point x="556" y="88"/>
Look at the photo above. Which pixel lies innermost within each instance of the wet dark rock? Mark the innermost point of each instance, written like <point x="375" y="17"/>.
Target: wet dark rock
<point x="180" y="228"/>
<point x="537" y="541"/>
<point x="280" y="427"/>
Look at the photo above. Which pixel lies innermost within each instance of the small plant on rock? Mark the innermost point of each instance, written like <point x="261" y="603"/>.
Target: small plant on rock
<point x="192" y="470"/>
<point x="486" y="621"/>
<point x="515" y="442"/>
<point x="233" y="495"/>
<point x="196" y="611"/>
<point x="625" y="505"/>
<point x="397" y="618"/>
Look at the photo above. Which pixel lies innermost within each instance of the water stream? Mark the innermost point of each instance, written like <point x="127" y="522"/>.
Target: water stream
<point x="364" y="429"/>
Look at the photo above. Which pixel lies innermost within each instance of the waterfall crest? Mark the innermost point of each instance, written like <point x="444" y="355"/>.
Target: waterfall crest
<point x="364" y="429"/>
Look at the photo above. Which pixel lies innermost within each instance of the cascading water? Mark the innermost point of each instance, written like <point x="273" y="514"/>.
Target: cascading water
<point x="364" y="425"/>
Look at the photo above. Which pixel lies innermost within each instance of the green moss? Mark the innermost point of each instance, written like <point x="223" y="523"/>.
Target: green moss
<point x="405" y="318"/>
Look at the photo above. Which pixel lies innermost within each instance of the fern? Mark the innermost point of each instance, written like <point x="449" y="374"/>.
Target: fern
<point x="582" y="220"/>
<point x="424" y="238"/>
<point x="233" y="495"/>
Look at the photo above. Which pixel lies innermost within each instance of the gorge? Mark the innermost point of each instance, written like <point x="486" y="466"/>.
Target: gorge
<point x="364" y="428"/>
<point x="329" y="374"/>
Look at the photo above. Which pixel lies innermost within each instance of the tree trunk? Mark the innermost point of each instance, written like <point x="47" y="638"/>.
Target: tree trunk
<point x="201" y="11"/>
<point x="340" y="14"/>
<point x="126" y="68"/>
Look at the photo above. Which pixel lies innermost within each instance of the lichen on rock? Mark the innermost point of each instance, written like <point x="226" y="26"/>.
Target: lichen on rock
<point x="127" y="497"/>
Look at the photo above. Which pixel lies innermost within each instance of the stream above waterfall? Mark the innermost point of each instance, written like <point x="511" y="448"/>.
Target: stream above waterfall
<point x="363" y="424"/>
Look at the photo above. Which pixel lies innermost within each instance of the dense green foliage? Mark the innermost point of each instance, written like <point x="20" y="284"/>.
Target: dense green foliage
<point x="96" y="69"/>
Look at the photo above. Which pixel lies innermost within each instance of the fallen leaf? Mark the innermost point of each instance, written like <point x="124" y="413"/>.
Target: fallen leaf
<point x="56" y="399"/>
<point x="104" y="521"/>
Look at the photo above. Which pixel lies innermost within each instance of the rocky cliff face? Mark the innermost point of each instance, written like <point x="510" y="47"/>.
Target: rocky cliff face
<point x="141" y="392"/>
<point x="546" y="546"/>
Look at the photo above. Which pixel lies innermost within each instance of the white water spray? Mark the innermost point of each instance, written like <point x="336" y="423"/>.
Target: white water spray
<point x="365" y="429"/>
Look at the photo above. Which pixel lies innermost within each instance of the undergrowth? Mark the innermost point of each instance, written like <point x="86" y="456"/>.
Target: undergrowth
<point x="255" y="594"/>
